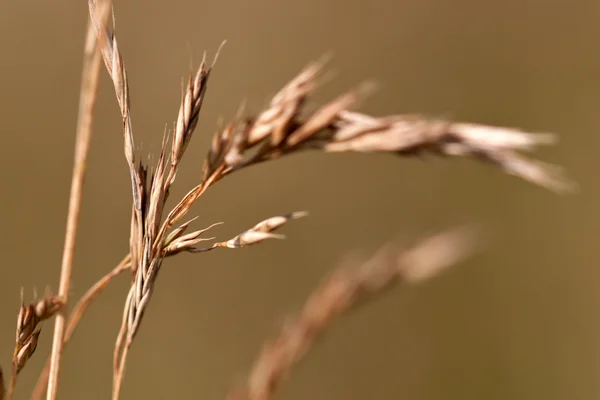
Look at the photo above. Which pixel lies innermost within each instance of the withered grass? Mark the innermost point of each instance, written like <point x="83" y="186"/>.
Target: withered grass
<point x="87" y="100"/>
<point x="288" y="125"/>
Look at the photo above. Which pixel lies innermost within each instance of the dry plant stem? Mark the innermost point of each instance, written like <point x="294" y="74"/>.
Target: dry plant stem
<point x="120" y="352"/>
<point x="118" y="381"/>
<point x="92" y="293"/>
<point x="89" y="85"/>
<point x="75" y="317"/>
<point x="339" y="293"/>
<point x="11" y="387"/>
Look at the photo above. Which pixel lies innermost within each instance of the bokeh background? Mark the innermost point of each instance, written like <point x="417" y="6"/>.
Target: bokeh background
<point x="519" y="321"/>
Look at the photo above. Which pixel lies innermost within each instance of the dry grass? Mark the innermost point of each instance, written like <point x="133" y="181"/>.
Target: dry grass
<point x="28" y="331"/>
<point x="285" y="127"/>
<point x="347" y="286"/>
<point x="87" y="100"/>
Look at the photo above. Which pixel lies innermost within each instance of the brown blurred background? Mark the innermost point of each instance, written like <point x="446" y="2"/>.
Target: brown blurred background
<point x="519" y="321"/>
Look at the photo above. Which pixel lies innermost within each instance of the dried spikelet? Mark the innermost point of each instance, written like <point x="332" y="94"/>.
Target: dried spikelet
<point x="284" y="106"/>
<point x="189" y="111"/>
<point x="412" y="135"/>
<point x="273" y="223"/>
<point x="156" y="197"/>
<point x="258" y="233"/>
<point x="25" y="350"/>
<point x="219" y="146"/>
<point x="187" y="242"/>
<point x="177" y="232"/>
<point x="261" y="231"/>
<point x="28" y="327"/>
<point x="326" y="115"/>
<point x="249" y="238"/>
<point x="137" y="217"/>
<point x="235" y="154"/>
